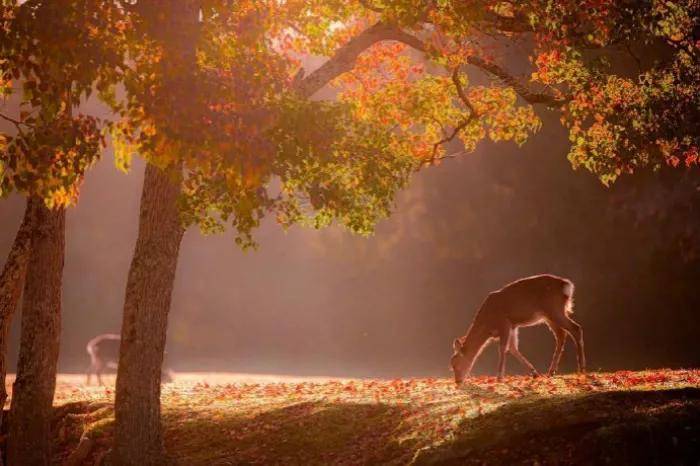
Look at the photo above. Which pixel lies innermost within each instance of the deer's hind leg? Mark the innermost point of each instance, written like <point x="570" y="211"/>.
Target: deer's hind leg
<point x="513" y="349"/>
<point x="567" y="325"/>
<point x="559" y="338"/>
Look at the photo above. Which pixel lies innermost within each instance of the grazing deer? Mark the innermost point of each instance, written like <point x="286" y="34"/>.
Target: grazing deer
<point x="104" y="353"/>
<point x="529" y="301"/>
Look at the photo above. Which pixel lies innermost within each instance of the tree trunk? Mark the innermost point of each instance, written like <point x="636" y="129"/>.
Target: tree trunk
<point x="11" y="282"/>
<point x="138" y="435"/>
<point x="138" y="438"/>
<point x="29" y="439"/>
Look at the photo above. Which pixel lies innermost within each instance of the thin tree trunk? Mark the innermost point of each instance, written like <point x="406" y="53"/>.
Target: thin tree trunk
<point x="29" y="439"/>
<point x="138" y="434"/>
<point x="11" y="283"/>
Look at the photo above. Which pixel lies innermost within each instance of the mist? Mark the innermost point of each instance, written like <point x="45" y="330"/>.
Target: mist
<point x="330" y="303"/>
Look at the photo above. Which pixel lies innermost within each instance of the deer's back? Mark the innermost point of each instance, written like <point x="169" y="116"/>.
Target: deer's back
<point x="105" y="347"/>
<point x="527" y="301"/>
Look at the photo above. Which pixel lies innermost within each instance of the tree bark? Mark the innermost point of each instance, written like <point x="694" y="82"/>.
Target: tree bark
<point x="138" y="438"/>
<point x="11" y="283"/>
<point x="138" y="434"/>
<point x="29" y="439"/>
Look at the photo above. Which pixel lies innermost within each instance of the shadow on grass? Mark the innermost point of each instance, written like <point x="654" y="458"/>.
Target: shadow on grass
<point x="621" y="427"/>
<point x="303" y="433"/>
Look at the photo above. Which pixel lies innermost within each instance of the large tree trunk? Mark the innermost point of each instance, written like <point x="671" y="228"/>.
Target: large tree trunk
<point x="11" y="282"/>
<point x="138" y="435"/>
<point x="29" y="440"/>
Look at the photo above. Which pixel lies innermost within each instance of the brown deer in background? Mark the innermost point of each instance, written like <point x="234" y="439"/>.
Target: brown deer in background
<point x="104" y="353"/>
<point x="529" y="301"/>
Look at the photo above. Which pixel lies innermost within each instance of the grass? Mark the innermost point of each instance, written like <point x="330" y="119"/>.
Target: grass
<point x="621" y="418"/>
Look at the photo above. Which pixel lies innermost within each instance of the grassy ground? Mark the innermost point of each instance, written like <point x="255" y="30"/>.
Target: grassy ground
<point x="650" y="417"/>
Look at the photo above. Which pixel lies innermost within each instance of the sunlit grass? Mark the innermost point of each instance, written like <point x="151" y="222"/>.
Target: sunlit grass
<point x="302" y="421"/>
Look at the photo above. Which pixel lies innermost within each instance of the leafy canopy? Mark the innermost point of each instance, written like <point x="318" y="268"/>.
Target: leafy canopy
<point x="251" y="141"/>
<point x="59" y="51"/>
<point x="622" y="74"/>
<point x="225" y="100"/>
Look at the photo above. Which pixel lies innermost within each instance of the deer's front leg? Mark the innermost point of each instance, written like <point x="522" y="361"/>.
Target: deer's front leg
<point x="576" y="332"/>
<point x="503" y="344"/>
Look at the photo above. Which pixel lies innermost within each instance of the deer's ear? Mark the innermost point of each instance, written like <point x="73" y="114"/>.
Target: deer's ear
<point x="457" y="345"/>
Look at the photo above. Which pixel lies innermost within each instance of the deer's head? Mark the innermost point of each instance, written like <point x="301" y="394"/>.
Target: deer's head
<point x="458" y="361"/>
<point x="466" y="349"/>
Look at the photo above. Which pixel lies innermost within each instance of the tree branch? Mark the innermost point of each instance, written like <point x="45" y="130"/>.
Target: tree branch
<point x="17" y="123"/>
<point x="346" y="56"/>
<point x="460" y="91"/>
<point x="455" y="131"/>
<point x="522" y="90"/>
<point x="511" y="24"/>
<point x="473" y="115"/>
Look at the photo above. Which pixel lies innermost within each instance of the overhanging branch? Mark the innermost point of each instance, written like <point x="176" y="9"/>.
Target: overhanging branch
<point x="521" y="89"/>
<point x="346" y="56"/>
